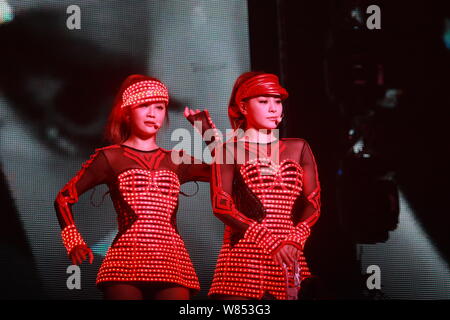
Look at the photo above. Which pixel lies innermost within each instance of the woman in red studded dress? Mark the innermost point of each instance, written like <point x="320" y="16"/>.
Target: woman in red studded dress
<point x="266" y="190"/>
<point x="147" y="258"/>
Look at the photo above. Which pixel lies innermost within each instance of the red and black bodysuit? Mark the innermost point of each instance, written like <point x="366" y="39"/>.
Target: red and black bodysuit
<point x="267" y="195"/>
<point x="144" y="187"/>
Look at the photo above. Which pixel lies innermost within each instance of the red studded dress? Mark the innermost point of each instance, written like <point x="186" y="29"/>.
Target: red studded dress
<point x="144" y="187"/>
<point x="267" y="195"/>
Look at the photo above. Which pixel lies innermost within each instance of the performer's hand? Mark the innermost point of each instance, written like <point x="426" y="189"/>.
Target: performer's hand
<point x="191" y="112"/>
<point x="286" y="254"/>
<point x="78" y="254"/>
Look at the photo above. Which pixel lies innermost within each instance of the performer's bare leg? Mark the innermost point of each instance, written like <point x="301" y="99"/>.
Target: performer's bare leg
<point x="122" y="292"/>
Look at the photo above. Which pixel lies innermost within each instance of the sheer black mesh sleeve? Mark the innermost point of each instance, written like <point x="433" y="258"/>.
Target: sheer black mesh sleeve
<point x="306" y="209"/>
<point x="311" y="186"/>
<point x="94" y="172"/>
<point x="193" y="169"/>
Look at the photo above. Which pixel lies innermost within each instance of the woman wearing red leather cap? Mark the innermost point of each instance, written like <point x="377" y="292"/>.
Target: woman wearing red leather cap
<point x="266" y="190"/>
<point x="147" y="258"/>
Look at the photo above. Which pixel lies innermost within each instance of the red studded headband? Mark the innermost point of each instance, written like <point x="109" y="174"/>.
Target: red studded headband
<point x="145" y="91"/>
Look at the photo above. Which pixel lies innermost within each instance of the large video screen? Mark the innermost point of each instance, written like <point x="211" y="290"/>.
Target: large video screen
<point x="62" y="63"/>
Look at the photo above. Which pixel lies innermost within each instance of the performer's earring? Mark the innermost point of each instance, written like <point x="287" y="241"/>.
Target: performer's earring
<point x="242" y="108"/>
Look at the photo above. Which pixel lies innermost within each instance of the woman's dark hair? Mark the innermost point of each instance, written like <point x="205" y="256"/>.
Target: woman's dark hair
<point x="118" y="126"/>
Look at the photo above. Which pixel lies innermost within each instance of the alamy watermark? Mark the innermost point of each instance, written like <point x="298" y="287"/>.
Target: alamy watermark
<point x="374" y="20"/>
<point x="230" y="153"/>
<point x="74" y="280"/>
<point x="374" y="280"/>
<point x="73" y="21"/>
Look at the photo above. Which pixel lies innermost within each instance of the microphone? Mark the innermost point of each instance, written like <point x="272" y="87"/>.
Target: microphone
<point x="279" y="119"/>
<point x="154" y="124"/>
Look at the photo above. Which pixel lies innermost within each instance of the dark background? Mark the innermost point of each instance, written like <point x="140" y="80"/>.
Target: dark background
<point x="296" y="39"/>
